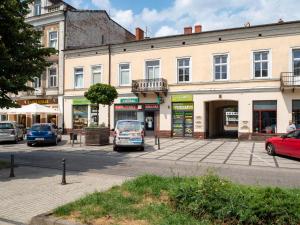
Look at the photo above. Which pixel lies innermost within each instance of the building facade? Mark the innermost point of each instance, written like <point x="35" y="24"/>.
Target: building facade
<point x="240" y="83"/>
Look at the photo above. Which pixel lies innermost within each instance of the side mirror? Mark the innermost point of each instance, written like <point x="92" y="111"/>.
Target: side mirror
<point x="284" y="136"/>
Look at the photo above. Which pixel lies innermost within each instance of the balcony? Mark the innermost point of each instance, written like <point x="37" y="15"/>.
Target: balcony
<point x="289" y="81"/>
<point x="146" y="86"/>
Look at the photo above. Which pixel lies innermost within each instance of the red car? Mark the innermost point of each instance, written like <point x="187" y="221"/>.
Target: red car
<point x="288" y="144"/>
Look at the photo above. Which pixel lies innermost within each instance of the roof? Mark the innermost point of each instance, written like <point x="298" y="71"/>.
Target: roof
<point x="55" y="2"/>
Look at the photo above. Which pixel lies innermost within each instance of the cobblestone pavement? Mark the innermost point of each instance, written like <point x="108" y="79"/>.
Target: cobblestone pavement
<point x="186" y="150"/>
<point x="36" y="190"/>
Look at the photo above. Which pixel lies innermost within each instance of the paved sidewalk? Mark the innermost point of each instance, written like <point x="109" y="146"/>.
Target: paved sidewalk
<point x="35" y="191"/>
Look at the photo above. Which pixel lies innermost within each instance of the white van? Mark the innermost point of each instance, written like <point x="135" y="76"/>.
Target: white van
<point x="129" y="134"/>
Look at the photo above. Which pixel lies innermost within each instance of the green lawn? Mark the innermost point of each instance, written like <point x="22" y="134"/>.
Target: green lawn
<point x="208" y="200"/>
<point x="4" y="164"/>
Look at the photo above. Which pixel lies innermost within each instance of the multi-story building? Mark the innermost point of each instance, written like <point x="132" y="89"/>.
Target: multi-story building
<point x="241" y="82"/>
<point x="64" y="27"/>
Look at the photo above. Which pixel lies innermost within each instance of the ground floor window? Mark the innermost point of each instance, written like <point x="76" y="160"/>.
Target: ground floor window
<point x="265" y="116"/>
<point x="80" y="116"/>
<point x="129" y="112"/>
<point x="3" y="117"/>
<point x="52" y="119"/>
<point x="182" y="119"/>
<point x="296" y="113"/>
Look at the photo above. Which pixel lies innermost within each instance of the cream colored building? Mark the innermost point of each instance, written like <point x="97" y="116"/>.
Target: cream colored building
<point x="184" y="85"/>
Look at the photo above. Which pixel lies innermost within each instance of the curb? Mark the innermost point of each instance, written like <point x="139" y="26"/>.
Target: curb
<point x="49" y="219"/>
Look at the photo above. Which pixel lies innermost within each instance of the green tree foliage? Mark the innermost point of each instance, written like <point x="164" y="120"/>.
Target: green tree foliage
<point x="101" y="94"/>
<point x="21" y="55"/>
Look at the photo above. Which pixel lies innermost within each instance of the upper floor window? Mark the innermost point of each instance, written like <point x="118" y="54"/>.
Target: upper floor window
<point x="36" y="82"/>
<point x="124" y="74"/>
<point x="37" y="7"/>
<point x="52" y="77"/>
<point x="152" y="69"/>
<point x="296" y="62"/>
<point x="261" y="64"/>
<point x="221" y="67"/>
<point x="53" y="39"/>
<point x="184" y="70"/>
<point x="78" y="77"/>
<point x="96" y="74"/>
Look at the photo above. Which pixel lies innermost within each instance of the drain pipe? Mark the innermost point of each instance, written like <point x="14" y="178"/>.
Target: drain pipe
<point x="109" y="80"/>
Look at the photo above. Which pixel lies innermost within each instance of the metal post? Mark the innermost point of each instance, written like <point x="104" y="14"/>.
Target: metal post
<point x="73" y="139"/>
<point x="158" y="142"/>
<point x="155" y="139"/>
<point x="63" y="181"/>
<point x="80" y="138"/>
<point x="12" y="165"/>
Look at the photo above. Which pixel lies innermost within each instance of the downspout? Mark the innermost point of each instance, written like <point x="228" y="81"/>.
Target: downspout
<point x="109" y="79"/>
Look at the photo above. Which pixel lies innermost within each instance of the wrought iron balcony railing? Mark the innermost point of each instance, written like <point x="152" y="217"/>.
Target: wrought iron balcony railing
<point x="150" y="85"/>
<point x="290" y="80"/>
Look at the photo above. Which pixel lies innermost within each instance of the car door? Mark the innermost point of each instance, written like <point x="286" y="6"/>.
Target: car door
<point x="292" y="143"/>
<point x="285" y="144"/>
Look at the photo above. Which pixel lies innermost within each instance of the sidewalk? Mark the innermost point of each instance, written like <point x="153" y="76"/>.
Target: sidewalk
<point x="35" y="190"/>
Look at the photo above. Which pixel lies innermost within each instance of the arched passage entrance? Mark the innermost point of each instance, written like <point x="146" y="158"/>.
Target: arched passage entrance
<point x="221" y="119"/>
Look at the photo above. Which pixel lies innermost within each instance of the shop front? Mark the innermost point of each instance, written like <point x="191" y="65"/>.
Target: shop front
<point x="182" y="116"/>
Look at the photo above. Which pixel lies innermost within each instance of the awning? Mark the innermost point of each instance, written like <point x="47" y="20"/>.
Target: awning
<point x="33" y="109"/>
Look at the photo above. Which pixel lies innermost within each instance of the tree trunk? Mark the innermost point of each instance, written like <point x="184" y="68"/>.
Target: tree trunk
<point x="97" y="115"/>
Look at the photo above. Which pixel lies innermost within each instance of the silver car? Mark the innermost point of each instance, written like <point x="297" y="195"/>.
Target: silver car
<point x="10" y="131"/>
<point x="128" y="133"/>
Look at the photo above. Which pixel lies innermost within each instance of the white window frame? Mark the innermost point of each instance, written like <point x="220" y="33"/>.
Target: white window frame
<point x="145" y="67"/>
<point x="177" y="70"/>
<point x="40" y="8"/>
<point x="49" y="38"/>
<point x="292" y="59"/>
<point x="119" y="74"/>
<point x="36" y="80"/>
<point x="227" y="65"/>
<point x="55" y="77"/>
<point x="269" y="64"/>
<point x="92" y="74"/>
<point x="74" y="75"/>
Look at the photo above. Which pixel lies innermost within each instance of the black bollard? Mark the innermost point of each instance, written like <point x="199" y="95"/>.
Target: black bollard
<point x="158" y="142"/>
<point x="12" y="165"/>
<point x="155" y="139"/>
<point x="63" y="181"/>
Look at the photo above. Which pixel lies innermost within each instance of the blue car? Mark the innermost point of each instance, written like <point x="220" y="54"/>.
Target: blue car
<point x="43" y="133"/>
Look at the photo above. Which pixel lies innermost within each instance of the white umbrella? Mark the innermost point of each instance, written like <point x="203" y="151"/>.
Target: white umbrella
<point x="33" y="109"/>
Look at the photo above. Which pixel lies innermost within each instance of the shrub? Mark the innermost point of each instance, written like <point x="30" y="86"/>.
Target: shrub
<point x="224" y="202"/>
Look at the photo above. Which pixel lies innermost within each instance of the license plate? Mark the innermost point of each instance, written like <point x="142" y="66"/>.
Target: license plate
<point x="40" y="139"/>
<point x="136" y="140"/>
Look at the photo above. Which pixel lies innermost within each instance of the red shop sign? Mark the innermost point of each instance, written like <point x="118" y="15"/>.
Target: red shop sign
<point x="128" y="107"/>
<point x="151" y="106"/>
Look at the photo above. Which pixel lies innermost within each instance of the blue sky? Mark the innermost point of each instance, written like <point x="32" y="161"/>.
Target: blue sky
<point x="167" y="17"/>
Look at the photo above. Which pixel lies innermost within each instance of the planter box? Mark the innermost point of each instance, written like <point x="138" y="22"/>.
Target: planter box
<point x="97" y="136"/>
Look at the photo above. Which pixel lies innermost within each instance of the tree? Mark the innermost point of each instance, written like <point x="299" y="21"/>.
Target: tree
<point x="22" y="57"/>
<point x="101" y="94"/>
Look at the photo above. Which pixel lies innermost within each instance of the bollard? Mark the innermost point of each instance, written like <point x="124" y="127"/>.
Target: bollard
<point x="158" y="142"/>
<point x="63" y="181"/>
<point x="12" y="165"/>
<point x="73" y="139"/>
<point x="80" y="139"/>
<point x="155" y="139"/>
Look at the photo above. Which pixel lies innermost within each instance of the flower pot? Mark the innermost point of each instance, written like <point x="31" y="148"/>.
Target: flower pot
<point x="97" y="136"/>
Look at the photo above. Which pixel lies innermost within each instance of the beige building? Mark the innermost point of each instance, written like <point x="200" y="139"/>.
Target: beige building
<point x="240" y="82"/>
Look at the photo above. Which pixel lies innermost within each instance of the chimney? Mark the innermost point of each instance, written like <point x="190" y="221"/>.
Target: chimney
<point x="139" y="34"/>
<point x="198" y="28"/>
<point x="188" y="30"/>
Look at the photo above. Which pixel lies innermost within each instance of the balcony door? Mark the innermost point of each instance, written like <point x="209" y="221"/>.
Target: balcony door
<point x="296" y="62"/>
<point x="152" y="69"/>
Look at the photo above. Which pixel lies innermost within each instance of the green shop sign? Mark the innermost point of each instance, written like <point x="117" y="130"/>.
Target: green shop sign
<point x="81" y="101"/>
<point x="182" y="98"/>
<point x="129" y="100"/>
<point x="183" y="107"/>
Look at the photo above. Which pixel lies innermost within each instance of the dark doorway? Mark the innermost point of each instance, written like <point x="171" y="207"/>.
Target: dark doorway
<point x="149" y="123"/>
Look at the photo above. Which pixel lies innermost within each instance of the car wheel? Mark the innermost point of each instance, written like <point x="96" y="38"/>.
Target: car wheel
<point x="142" y="149"/>
<point x="29" y="144"/>
<point x="55" y="142"/>
<point x="271" y="149"/>
<point x="116" y="148"/>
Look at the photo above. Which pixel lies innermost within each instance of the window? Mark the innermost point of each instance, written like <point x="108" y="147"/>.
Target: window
<point x="261" y="64"/>
<point x="264" y="116"/>
<point x="220" y="67"/>
<point x="296" y="112"/>
<point x="78" y="75"/>
<point x="96" y="74"/>
<point x="52" y="77"/>
<point x="124" y="74"/>
<point x="152" y="69"/>
<point x="183" y="70"/>
<point x="80" y="116"/>
<point x="37" y="7"/>
<point x="296" y="62"/>
<point x="53" y="39"/>
<point x="36" y="82"/>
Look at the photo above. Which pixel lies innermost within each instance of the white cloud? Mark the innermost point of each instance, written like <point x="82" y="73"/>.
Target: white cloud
<point x="124" y="17"/>
<point x="102" y="4"/>
<point x="165" y="31"/>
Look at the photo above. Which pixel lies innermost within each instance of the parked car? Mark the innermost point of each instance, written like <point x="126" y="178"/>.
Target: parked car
<point x="10" y="131"/>
<point x="129" y="134"/>
<point x="288" y="144"/>
<point x="43" y="133"/>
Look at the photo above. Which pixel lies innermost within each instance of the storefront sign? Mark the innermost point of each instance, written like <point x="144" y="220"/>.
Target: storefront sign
<point x="182" y="98"/>
<point x="81" y="101"/>
<point x="128" y="107"/>
<point x="151" y="107"/>
<point x="38" y="101"/>
<point x="129" y="100"/>
<point x="183" y="106"/>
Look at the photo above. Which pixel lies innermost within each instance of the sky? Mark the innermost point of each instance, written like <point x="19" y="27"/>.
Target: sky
<point x="168" y="17"/>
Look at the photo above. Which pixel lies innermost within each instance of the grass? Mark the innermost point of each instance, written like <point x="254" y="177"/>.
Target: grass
<point x="4" y="164"/>
<point x="209" y="200"/>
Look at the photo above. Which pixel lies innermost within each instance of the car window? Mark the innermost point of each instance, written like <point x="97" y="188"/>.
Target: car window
<point x="6" y="126"/>
<point x="129" y="126"/>
<point x="294" y="134"/>
<point x="41" y="128"/>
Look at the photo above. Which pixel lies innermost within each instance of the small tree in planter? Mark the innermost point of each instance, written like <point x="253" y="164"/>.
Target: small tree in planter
<point x="99" y="94"/>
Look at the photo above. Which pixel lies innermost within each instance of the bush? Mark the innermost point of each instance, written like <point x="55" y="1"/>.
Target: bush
<point x="224" y="202"/>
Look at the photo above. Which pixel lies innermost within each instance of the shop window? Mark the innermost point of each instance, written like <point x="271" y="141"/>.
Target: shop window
<point x="261" y="64"/>
<point x="80" y="116"/>
<point x="3" y="117"/>
<point x="182" y="119"/>
<point x="296" y="62"/>
<point x="124" y="74"/>
<point x="152" y="69"/>
<point x="52" y="119"/>
<point x="184" y="70"/>
<point x="265" y="116"/>
<point x="96" y="74"/>
<point x="52" y="77"/>
<point x="296" y="113"/>
<point x="221" y="67"/>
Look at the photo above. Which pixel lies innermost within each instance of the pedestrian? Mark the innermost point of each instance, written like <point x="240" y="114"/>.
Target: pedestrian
<point x="291" y="127"/>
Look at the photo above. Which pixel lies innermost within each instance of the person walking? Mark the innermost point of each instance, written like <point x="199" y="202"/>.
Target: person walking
<point x="291" y="127"/>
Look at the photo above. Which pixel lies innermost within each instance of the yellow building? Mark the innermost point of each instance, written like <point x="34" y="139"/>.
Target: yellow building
<point x="240" y="82"/>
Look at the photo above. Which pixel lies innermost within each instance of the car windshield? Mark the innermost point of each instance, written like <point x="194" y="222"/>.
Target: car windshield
<point x="41" y="128"/>
<point x="6" y="126"/>
<point x="129" y="126"/>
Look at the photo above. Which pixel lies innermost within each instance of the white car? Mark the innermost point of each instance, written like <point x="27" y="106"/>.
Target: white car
<point x="10" y="131"/>
<point x="129" y="134"/>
